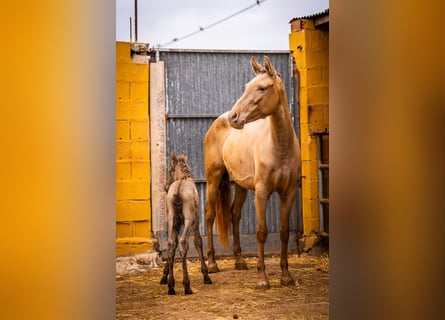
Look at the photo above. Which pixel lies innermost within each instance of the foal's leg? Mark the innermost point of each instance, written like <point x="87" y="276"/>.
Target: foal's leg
<point x="183" y="248"/>
<point x="197" y="241"/>
<point x="261" y="197"/>
<point x="172" y="244"/>
<point x="286" y="201"/>
<point x="240" y="197"/>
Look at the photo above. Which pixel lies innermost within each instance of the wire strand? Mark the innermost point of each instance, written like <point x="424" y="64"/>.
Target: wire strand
<point x="174" y="40"/>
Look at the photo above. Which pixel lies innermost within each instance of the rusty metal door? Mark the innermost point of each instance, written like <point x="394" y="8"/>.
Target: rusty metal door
<point x="199" y="86"/>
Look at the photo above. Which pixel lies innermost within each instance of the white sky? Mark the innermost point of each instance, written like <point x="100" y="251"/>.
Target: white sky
<point x="263" y="27"/>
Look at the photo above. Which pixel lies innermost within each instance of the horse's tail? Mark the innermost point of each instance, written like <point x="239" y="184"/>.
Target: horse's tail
<point x="178" y="217"/>
<point x="223" y="212"/>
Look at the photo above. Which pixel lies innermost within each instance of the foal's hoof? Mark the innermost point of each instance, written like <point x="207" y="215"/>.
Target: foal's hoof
<point x="163" y="281"/>
<point x="263" y="285"/>
<point x="188" y="291"/>
<point x="241" y="265"/>
<point x="287" y="281"/>
<point x="171" y="292"/>
<point x="213" y="268"/>
<point x="207" y="280"/>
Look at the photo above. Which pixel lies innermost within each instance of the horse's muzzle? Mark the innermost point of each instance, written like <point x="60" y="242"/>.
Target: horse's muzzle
<point x="235" y="121"/>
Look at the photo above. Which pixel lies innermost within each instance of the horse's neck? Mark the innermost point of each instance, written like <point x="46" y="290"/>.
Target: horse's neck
<point x="282" y="129"/>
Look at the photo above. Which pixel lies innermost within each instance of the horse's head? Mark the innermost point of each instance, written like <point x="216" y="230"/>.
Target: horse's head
<point x="261" y="96"/>
<point x="179" y="169"/>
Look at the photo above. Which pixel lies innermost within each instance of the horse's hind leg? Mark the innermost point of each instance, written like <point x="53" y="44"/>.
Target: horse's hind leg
<point x="197" y="241"/>
<point x="213" y="180"/>
<point x="240" y="197"/>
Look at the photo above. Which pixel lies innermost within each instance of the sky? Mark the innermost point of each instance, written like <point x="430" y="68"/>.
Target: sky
<point x="263" y="27"/>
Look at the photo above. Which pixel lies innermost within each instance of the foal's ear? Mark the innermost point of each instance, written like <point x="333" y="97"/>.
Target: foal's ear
<point x="256" y="67"/>
<point x="173" y="156"/>
<point x="269" y="68"/>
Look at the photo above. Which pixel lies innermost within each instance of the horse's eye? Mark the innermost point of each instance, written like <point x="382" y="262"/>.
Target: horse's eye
<point x="262" y="89"/>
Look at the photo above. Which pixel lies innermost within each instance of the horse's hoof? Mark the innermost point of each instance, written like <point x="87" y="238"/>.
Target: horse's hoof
<point x="188" y="291"/>
<point x="241" y="265"/>
<point x="287" y="281"/>
<point x="213" y="268"/>
<point x="171" y="292"/>
<point x="263" y="285"/>
<point x="163" y="281"/>
<point x="207" y="280"/>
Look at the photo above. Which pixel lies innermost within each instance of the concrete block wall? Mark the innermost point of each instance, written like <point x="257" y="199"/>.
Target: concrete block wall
<point x="310" y="48"/>
<point x="133" y="220"/>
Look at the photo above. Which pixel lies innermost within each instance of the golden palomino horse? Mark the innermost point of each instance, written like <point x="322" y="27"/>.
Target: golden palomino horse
<point x="256" y="145"/>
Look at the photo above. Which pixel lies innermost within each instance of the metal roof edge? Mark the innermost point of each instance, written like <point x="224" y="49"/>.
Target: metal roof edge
<point x="312" y="16"/>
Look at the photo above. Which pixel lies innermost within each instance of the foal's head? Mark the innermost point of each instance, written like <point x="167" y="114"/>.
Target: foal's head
<point x="179" y="169"/>
<point x="261" y="96"/>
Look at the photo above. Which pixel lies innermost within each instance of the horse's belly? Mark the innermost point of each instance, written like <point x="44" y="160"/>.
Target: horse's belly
<point x="238" y="158"/>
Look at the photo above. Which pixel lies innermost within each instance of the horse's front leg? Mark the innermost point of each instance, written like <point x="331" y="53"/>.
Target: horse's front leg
<point x="240" y="197"/>
<point x="286" y="201"/>
<point x="261" y="198"/>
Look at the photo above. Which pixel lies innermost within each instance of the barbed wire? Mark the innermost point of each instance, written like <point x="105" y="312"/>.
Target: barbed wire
<point x="174" y="40"/>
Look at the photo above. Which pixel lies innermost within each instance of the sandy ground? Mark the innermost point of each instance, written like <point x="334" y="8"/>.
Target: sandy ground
<point x="232" y="295"/>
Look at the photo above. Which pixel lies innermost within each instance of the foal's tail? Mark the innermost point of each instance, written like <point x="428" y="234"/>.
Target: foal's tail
<point x="178" y="217"/>
<point x="223" y="212"/>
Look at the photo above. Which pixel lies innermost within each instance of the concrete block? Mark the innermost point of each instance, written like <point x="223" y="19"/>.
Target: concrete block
<point x="139" y="130"/>
<point x="317" y="59"/>
<point x="133" y="190"/>
<point x="140" y="151"/>
<point x="140" y="170"/>
<point x="122" y="51"/>
<point x="122" y="90"/>
<point x="123" y="150"/>
<point x="123" y="170"/>
<point x="309" y="169"/>
<point x="123" y="229"/>
<point x="139" y="91"/>
<point x="138" y="110"/>
<point x="122" y="110"/>
<point x="142" y="229"/>
<point x="313" y="76"/>
<point x="122" y="130"/>
<point x="317" y="95"/>
<point x="132" y="210"/>
<point x="309" y="188"/>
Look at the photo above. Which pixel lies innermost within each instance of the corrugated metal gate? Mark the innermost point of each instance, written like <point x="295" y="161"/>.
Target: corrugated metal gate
<point x="199" y="86"/>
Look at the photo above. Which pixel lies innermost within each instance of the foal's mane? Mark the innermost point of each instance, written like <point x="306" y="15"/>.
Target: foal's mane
<point x="185" y="170"/>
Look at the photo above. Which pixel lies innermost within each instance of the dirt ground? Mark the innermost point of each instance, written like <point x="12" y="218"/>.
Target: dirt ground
<point x="232" y="294"/>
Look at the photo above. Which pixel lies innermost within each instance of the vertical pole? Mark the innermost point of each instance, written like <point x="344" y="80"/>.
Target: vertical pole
<point x="131" y="39"/>
<point x="135" y="20"/>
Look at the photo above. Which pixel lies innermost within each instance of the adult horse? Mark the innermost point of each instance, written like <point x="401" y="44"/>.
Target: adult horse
<point x="255" y="144"/>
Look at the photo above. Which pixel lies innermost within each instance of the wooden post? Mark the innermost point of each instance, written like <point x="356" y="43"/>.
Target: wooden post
<point x="158" y="151"/>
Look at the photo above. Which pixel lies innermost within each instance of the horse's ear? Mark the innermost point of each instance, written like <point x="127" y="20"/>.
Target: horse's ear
<point x="173" y="156"/>
<point x="269" y="68"/>
<point x="256" y="67"/>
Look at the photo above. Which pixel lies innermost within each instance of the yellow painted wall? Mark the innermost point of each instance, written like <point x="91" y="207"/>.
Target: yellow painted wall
<point x="133" y="220"/>
<point x="310" y="47"/>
